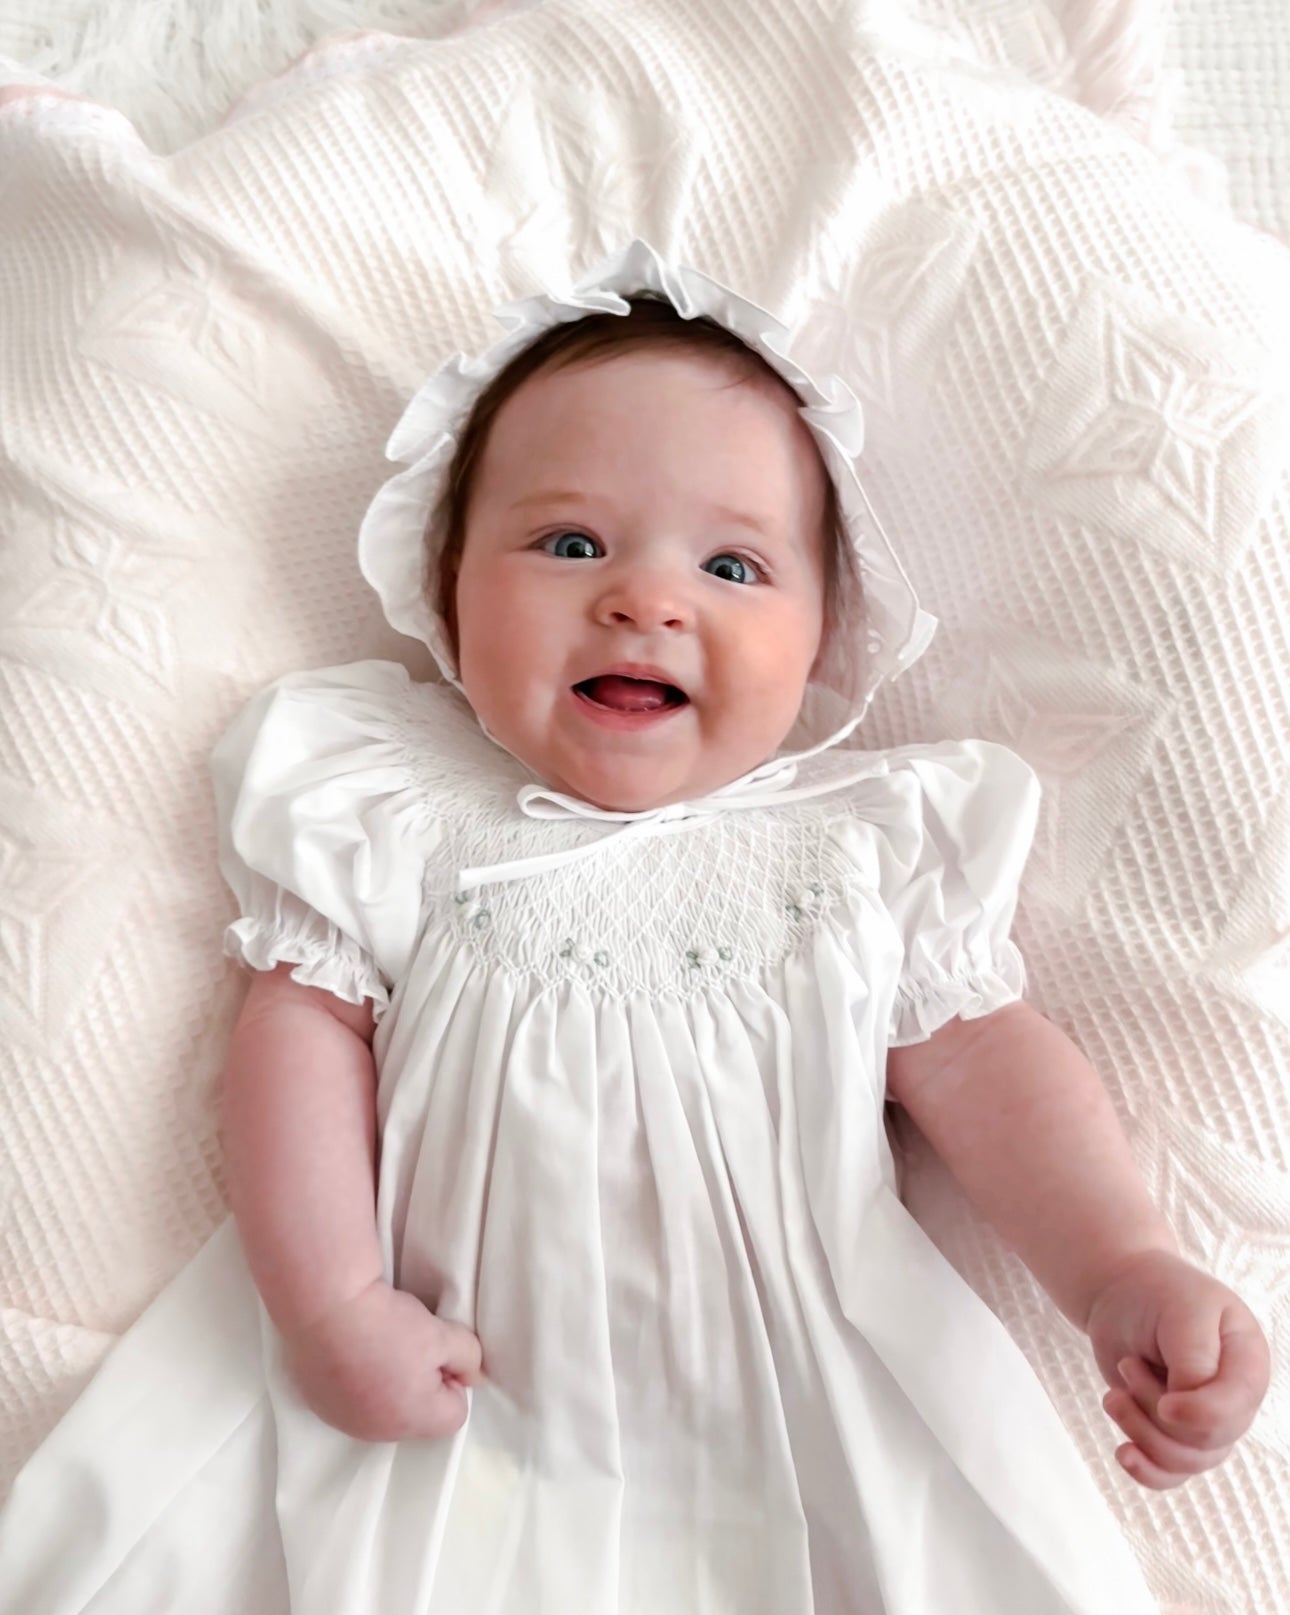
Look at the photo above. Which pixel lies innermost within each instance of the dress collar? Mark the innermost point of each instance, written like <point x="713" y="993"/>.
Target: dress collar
<point x="772" y="784"/>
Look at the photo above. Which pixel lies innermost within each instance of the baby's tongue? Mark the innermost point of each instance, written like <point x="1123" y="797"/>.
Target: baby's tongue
<point x="626" y="695"/>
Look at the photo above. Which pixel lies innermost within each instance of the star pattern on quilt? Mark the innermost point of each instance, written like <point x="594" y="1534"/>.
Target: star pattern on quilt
<point x="1090" y="751"/>
<point x="615" y="185"/>
<point x="852" y="321"/>
<point x="1161" y="423"/>
<point x="190" y="306"/>
<point x="879" y="309"/>
<point x="579" y="190"/>
<point x="1063" y="742"/>
<point x="185" y="303"/>
<point x="183" y="325"/>
<point x="1141" y="428"/>
<point x="116" y="593"/>
<point x="527" y="238"/>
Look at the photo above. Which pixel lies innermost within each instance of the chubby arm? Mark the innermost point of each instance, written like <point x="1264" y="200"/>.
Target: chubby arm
<point x="1023" y="1122"/>
<point x="299" y="1135"/>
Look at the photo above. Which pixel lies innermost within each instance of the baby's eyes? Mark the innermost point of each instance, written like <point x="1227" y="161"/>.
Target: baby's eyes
<point x="731" y="568"/>
<point x="572" y="546"/>
<point x="575" y="546"/>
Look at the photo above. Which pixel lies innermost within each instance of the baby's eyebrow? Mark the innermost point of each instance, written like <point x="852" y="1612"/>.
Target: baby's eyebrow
<point x="549" y="496"/>
<point x="741" y="518"/>
<point x="721" y="513"/>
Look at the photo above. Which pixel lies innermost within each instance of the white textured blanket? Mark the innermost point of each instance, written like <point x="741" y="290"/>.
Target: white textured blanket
<point x="1228" y="79"/>
<point x="1077" y="384"/>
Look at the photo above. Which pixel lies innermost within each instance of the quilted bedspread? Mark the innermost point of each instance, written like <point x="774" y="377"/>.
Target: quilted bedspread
<point x="1228" y="78"/>
<point x="1077" y="381"/>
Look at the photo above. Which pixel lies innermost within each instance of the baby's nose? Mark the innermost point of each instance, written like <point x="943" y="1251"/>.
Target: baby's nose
<point x="647" y="601"/>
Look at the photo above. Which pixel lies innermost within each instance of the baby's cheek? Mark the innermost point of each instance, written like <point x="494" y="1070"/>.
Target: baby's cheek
<point x="501" y="630"/>
<point x="760" y="708"/>
<point x="781" y="664"/>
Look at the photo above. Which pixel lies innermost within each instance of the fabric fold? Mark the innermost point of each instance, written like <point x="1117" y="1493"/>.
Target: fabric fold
<point x="178" y="1400"/>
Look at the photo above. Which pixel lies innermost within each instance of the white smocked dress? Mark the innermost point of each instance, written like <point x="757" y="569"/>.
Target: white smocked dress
<point x="631" y="1113"/>
<point x="631" y="1131"/>
<point x="631" y="1086"/>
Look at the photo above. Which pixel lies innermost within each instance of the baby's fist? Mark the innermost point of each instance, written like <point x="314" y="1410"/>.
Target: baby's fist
<point x="383" y="1367"/>
<point x="1187" y="1364"/>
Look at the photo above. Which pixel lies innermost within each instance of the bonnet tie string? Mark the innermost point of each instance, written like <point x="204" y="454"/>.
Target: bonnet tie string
<point x="770" y="788"/>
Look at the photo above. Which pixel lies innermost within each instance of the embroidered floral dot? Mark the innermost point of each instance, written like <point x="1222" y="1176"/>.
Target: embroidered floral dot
<point x="701" y="958"/>
<point x="579" y="952"/>
<point x="725" y="955"/>
<point x="461" y="898"/>
<point x="805" y="901"/>
<point x="600" y="957"/>
<point x="480" y="918"/>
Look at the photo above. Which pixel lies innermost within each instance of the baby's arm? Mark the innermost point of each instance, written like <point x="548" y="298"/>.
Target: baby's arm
<point x="1022" y="1120"/>
<point x="299" y="1135"/>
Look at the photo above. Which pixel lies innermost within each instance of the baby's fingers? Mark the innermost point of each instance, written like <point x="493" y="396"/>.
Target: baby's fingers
<point x="440" y="1411"/>
<point x="461" y="1356"/>
<point x="1214" y="1414"/>
<point x="1152" y="1457"/>
<point x="1217" y="1413"/>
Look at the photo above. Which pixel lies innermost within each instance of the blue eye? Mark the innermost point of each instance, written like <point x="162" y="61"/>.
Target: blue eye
<point x="731" y="568"/>
<point x="572" y="547"/>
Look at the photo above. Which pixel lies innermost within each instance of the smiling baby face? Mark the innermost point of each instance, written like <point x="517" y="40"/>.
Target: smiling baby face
<point x="640" y="594"/>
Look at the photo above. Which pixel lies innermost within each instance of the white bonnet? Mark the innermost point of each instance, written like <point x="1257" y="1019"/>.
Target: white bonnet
<point x="394" y="543"/>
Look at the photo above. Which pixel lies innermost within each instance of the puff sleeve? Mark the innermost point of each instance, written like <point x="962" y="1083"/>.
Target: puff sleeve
<point x="322" y="830"/>
<point x="947" y="850"/>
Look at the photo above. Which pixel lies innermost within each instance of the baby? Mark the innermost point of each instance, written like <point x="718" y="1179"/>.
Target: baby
<point x="554" y="1117"/>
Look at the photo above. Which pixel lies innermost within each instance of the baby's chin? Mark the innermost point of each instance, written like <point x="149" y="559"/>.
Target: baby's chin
<point x="635" y="786"/>
<point x="634" y="773"/>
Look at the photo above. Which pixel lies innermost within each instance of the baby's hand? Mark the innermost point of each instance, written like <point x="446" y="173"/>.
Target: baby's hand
<point x="383" y="1367"/>
<point x="1187" y="1363"/>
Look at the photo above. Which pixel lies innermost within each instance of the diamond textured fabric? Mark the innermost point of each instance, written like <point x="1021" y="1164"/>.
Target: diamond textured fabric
<point x="1076" y="385"/>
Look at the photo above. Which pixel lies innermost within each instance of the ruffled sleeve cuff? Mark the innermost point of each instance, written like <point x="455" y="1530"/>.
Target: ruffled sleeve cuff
<point x="925" y="1003"/>
<point x="323" y="829"/>
<point x="321" y="952"/>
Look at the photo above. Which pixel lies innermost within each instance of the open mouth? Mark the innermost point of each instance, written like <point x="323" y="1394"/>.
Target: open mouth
<point x="615" y="692"/>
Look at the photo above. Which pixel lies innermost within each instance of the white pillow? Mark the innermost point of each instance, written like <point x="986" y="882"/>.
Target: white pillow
<point x="1076" y="383"/>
